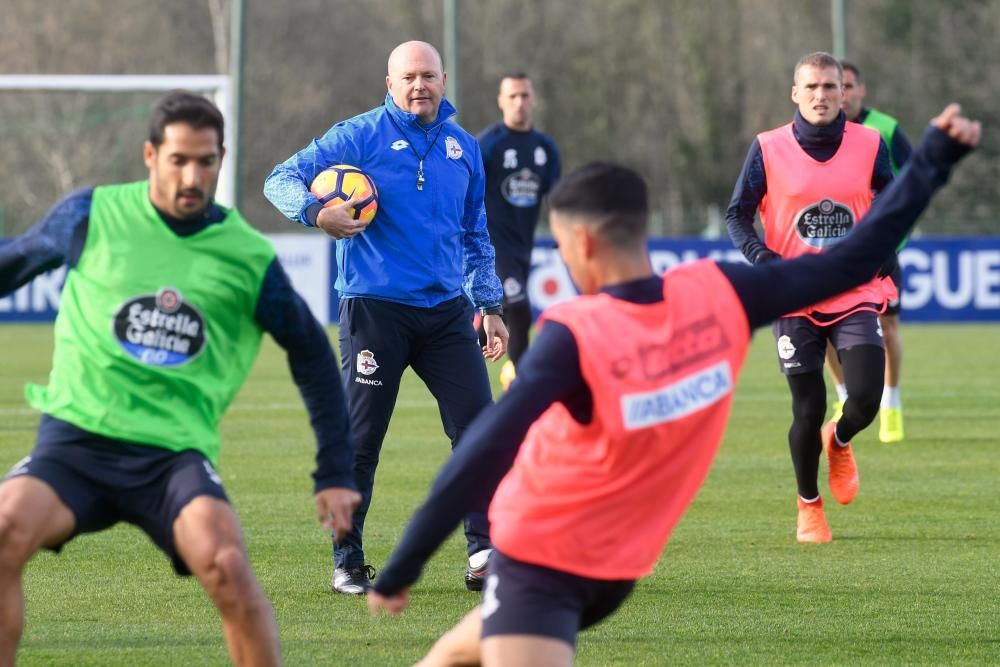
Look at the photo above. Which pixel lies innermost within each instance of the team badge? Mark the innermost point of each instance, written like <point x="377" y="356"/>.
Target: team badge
<point x="452" y="148"/>
<point x="510" y="158"/>
<point x="512" y="287"/>
<point x="541" y="157"/>
<point x="785" y="348"/>
<point x="160" y="329"/>
<point x="399" y="144"/>
<point x="366" y="364"/>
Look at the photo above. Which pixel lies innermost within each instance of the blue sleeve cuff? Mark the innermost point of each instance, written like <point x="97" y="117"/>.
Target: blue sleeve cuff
<point x="311" y="213"/>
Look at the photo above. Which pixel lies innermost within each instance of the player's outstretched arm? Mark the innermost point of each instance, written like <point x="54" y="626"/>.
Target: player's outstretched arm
<point x="549" y="372"/>
<point x="54" y="240"/>
<point x="282" y="313"/>
<point x="777" y="288"/>
<point x="390" y="604"/>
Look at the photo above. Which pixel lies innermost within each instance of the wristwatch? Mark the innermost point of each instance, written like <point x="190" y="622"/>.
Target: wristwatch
<point x="492" y="310"/>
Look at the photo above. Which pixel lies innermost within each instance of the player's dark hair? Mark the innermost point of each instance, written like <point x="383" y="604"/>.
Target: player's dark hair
<point x="818" y="59"/>
<point x="853" y="69"/>
<point x="182" y="106"/>
<point x="609" y="197"/>
<point x="514" y="74"/>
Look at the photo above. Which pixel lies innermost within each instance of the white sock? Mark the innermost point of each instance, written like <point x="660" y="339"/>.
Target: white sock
<point x="809" y="501"/>
<point x="890" y="397"/>
<point x="841" y="392"/>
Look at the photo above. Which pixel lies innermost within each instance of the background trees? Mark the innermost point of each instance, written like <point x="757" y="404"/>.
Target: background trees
<point x="675" y="88"/>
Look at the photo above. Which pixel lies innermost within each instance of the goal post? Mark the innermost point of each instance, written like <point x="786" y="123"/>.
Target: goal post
<point x="215" y="86"/>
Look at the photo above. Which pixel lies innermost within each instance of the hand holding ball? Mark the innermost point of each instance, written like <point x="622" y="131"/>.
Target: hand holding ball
<point x="343" y="183"/>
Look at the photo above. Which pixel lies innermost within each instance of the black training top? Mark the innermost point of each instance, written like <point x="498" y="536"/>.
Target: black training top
<point x="821" y="143"/>
<point x="521" y="167"/>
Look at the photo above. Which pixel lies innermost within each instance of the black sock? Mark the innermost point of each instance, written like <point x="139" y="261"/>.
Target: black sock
<point x="808" y="411"/>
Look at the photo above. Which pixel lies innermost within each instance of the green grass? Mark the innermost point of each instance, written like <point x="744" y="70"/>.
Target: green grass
<point x="911" y="577"/>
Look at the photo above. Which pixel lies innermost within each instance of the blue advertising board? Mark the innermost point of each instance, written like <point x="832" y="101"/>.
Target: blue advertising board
<point x="945" y="279"/>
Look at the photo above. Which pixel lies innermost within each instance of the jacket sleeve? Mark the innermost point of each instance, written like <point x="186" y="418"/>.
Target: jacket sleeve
<point x="54" y="240"/>
<point x="751" y="186"/>
<point x="478" y="263"/>
<point x="287" y="187"/>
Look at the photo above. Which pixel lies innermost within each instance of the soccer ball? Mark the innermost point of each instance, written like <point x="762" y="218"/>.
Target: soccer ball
<point x="339" y="182"/>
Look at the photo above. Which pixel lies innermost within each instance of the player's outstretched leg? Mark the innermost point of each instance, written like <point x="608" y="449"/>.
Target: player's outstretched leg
<point x="208" y="538"/>
<point x="31" y="517"/>
<point x="533" y="650"/>
<point x="458" y="646"/>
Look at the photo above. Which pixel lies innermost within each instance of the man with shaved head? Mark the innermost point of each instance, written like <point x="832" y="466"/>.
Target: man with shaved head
<point x="408" y="279"/>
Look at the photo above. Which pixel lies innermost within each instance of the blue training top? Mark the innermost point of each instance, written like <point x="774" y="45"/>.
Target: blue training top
<point x="426" y="244"/>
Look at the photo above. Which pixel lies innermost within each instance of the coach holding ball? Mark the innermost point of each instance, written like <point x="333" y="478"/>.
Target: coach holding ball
<point x="401" y="277"/>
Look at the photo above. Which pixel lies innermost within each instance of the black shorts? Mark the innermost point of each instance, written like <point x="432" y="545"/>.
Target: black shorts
<point x="104" y="481"/>
<point x="801" y="344"/>
<point x="896" y="305"/>
<point x="513" y="274"/>
<point x="524" y="599"/>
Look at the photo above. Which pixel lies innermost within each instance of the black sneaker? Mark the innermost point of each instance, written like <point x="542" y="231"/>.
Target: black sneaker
<point x="475" y="573"/>
<point x="353" y="581"/>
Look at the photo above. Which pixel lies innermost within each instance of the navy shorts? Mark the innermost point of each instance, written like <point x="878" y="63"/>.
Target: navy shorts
<point x="513" y="274"/>
<point x="104" y="481"/>
<point x="801" y="344"/>
<point x="895" y="306"/>
<point x="524" y="599"/>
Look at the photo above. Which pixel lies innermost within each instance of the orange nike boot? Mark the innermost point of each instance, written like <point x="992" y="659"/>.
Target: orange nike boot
<point x="812" y="525"/>
<point x="844" y="478"/>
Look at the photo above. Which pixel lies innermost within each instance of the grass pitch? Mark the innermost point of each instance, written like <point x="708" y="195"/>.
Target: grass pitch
<point x="912" y="577"/>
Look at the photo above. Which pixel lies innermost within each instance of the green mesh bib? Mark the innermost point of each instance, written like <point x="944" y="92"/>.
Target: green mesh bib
<point x="155" y="332"/>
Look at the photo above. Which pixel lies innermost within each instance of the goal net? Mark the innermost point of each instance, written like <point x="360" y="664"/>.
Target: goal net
<point x="62" y="132"/>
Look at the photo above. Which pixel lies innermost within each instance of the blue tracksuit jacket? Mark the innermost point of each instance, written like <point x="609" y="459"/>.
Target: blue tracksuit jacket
<point x="424" y="246"/>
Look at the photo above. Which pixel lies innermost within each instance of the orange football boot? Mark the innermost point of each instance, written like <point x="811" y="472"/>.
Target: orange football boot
<point x="812" y="525"/>
<point x="844" y="478"/>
